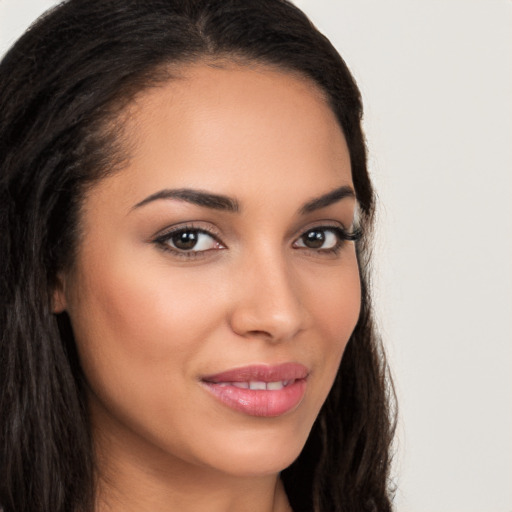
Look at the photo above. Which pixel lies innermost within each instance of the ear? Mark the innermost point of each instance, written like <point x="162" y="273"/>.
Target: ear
<point x="59" y="302"/>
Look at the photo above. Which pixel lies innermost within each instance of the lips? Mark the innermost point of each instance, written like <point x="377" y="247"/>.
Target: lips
<point x="260" y="390"/>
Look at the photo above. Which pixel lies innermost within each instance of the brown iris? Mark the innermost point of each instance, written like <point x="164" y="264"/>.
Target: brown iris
<point x="185" y="240"/>
<point x="314" y="239"/>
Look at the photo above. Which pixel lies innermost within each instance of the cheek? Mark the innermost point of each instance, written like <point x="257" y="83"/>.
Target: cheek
<point x="336" y="305"/>
<point x="139" y="334"/>
<point x="339" y="311"/>
<point x="139" y="307"/>
<point x="137" y="325"/>
<point x="336" y="308"/>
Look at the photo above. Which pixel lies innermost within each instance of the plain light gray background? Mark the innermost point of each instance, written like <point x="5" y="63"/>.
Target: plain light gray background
<point x="436" y="80"/>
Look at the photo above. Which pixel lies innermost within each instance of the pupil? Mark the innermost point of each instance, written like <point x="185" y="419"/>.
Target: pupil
<point x="314" y="239"/>
<point x="185" y="240"/>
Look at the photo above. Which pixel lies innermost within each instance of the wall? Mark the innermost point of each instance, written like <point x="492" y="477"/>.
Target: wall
<point x="437" y="84"/>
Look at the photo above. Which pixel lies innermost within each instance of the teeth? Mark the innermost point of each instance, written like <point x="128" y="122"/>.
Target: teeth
<point x="275" y="385"/>
<point x="258" y="385"/>
<point x="254" y="384"/>
<point x="243" y="385"/>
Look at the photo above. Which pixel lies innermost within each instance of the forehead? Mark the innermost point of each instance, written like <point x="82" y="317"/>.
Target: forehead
<point x="233" y="128"/>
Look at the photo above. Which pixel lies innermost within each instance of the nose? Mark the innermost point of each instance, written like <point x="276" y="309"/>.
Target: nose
<point x="267" y="301"/>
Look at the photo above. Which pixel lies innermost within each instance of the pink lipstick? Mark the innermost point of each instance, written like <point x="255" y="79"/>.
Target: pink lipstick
<point x="260" y="390"/>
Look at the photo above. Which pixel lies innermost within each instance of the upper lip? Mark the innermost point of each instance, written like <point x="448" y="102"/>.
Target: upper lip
<point x="260" y="373"/>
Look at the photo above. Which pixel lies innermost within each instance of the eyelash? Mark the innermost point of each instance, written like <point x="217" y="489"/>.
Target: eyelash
<point x="163" y="241"/>
<point x="342" y="235"/>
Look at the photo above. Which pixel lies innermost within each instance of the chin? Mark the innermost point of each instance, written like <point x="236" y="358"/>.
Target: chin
<point x="258" y="466"/>
<point x="251" y="454"/>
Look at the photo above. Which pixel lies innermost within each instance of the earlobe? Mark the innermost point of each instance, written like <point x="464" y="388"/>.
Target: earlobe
<point x="59" y="303"/>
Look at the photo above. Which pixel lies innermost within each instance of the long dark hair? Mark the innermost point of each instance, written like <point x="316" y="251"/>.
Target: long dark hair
<point x="62" y="88"/>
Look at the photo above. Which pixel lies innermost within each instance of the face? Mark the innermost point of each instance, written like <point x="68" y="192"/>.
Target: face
<point x="216" y="283"/>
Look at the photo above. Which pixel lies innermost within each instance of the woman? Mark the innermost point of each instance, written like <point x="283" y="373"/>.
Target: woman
<point x="186" y="320"/>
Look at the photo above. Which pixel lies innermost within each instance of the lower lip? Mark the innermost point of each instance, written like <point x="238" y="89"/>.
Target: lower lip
<point x="263" y="403"/>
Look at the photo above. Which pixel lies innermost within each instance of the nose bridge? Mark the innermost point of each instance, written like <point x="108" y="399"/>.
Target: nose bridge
<point x="268" y="303"/>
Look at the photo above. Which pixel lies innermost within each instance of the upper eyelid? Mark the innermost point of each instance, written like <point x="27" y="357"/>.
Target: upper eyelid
<point x="218" y="235"/>
<point x="322" y="224"/>
<point x="187" y="226"/>
<point x="336" y="229"/>
<point x="354" y="233"/>
<point x="162" y="240"/>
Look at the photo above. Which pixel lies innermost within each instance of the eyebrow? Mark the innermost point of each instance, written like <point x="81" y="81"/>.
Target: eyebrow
<point x="197" y="197"/>
<point x="327" y="199"/>
<point x="225" y="203"/>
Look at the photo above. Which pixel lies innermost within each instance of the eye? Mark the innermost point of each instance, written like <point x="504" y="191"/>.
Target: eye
<point x="318" y="238"/>
<point x="326" y="238"/>
<point x="189" y="240"/>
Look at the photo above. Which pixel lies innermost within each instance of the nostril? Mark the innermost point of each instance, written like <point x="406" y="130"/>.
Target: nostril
<point x="260" y="334"/>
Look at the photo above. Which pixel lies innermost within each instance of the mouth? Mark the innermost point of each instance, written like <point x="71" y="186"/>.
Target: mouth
<point x="260" y="390"/>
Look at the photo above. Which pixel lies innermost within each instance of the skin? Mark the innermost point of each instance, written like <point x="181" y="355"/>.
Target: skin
<point x="149" y="322"/>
